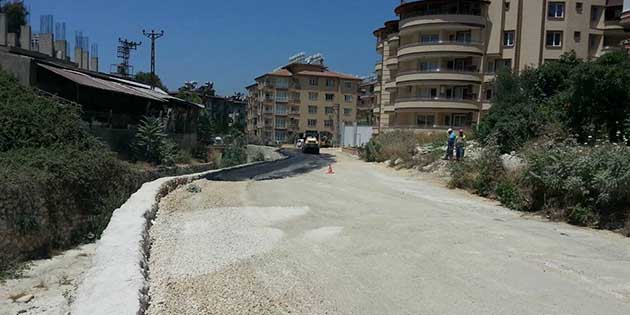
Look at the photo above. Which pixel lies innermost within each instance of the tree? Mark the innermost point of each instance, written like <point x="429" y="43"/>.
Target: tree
<point x="17" y="15"/>
<point x="599" y="97"/>
<point x="147" y="78"/>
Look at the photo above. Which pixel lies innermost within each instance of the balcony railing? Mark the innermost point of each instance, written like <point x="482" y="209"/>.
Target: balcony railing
<point x="443" y="42"/>
<point x="467" y="127"/>
<point x="468" y="98"/>
<point x="473" y="9"/>
<point x="465" y="69"/>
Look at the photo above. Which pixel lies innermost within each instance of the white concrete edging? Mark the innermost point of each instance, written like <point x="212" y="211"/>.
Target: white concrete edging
<point x="117" y="281"/>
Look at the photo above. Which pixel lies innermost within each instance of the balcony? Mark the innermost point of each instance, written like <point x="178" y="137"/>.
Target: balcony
<point x="378" y="66"/>
<point x="471" y="75"/>
<point x="463" y="103"/>
<point x="391" y="61"/>
<point x="441" y="47"/>
<point x="390" y="85"/>
<point x="416" y="22"/>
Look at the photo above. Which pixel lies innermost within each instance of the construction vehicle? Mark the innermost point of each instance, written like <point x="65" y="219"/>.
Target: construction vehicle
<point x="311" y="142"/>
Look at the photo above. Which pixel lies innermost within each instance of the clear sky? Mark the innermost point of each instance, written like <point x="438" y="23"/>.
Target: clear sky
<point x="229" y="42"/>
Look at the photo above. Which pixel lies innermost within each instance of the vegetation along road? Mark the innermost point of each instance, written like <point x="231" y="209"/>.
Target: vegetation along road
<point x="371" y="240"/>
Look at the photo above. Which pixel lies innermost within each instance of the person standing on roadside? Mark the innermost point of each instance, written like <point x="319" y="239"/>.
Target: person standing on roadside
<point x="460" y="145"/>
<point x="450" y="144"/>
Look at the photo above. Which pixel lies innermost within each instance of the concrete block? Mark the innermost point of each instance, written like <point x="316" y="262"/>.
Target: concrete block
<point x="61" y="49"/>
<point x="25" y="37"/>
<point x="85" y="60"/>
<point x="94" y="64"/>
<point x="3" y="29"/>
<point x="46" y="44"/>
<point x="78" y="53"/>
<point x="12" y="40"/>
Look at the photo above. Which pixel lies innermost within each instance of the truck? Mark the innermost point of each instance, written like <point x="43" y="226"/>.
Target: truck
<point x="311" y="142"/>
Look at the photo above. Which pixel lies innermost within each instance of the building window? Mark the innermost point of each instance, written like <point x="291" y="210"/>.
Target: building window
<point x="347" y="84"/>
<point x="508" y="39"/>
<point x="282" y="83"/>
<point x="313" y="96"/>
<point x="579" y="7"/>
<point x="281" y="136"/>
<point x="429" y="38"/>
<point x="281" y="123"/>
<point x="577" y="36"/>
<point x="329" y="110"/>
<point x="347" y="111"/>
<point x="425" y="120"/>
<point x="281" y="109"/>
<point x="507" y="5"/>
<point x="295" y="96"/>
<point x="312" y="122"/>
<point x="556" y="10"/>
<point x="282" y="96"/>
<point x="348" y="98"/>
<point x="312" y="109"/>
<point x="502" y="64"/>
<point x="330" y="97"/>
<point x="488" y="94"/>
<point x="330" y="83"/>
<point x="594" y="14"/>
<point x="313" y="82"/>
<point x="554" y="39"/>
<point x="328" y="123"/>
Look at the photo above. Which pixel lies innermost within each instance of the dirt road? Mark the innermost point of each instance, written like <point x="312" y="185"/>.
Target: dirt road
<point x="368" y="240"/>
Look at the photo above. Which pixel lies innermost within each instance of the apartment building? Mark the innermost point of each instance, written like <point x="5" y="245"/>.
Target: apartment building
<point x="439" y="57"/>
<point x="301" y="96"/>
<point x="367" y="101"/>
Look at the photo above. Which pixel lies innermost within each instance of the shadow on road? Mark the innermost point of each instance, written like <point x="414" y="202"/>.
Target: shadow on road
<point x="297" y="163"/>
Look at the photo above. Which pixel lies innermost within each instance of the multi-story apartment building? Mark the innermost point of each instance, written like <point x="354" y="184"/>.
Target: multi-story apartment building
<point x="367" y="101"/>
<point x="301" y="96"/>
<point x="440" y="56"/>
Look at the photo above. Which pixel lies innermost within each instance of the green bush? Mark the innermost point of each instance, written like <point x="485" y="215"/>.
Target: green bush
<point x="58" y="184"/>
<point x="567" y="176"/>
<point x="235" y="152"/>
<point x="511" y="193"/>
<point x="151" y="143"/>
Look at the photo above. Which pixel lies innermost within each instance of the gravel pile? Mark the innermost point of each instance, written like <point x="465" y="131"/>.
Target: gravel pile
<point x="208" y="255"/>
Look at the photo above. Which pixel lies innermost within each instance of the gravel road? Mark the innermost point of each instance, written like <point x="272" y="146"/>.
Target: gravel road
<point x="371" y="240"/>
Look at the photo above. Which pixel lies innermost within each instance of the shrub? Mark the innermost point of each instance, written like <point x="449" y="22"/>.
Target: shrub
<point x="511" y="193"/>
<point x="151" y="143"/>
<point x="235" y="152"/>
<point x="568" y="176"/>
<point x="57" y="182"/>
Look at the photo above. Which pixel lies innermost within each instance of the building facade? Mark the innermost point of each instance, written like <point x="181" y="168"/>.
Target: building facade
<point x="300" y="97"/>
<point x="367" y="101"/>
<point x="440" y="56"/>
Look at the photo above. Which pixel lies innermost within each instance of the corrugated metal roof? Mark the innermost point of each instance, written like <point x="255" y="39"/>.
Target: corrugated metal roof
<point x="117" y="85"/>
<point x="86" y="80"/>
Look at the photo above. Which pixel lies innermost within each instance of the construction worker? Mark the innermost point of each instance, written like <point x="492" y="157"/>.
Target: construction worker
<point x="460" y="145"/>
<point x="450" y="144"/>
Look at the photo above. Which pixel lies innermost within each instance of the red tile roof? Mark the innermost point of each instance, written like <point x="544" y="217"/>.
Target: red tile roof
<point x="329" y="74"/>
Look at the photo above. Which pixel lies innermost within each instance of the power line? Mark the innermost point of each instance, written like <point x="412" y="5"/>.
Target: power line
<point x="153" y="36"/>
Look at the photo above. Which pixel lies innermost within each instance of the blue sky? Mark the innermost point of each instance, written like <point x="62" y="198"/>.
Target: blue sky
<point x="229" y="42"/>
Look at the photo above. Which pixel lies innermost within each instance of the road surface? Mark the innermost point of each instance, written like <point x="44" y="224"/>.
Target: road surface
<point x="370" y="240"/>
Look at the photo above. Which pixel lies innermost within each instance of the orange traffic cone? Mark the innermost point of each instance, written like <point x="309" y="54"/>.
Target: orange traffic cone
<point x="330" y="170"/>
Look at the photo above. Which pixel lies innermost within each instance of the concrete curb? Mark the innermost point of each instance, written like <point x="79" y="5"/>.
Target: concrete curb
<point x="117" y="282"/>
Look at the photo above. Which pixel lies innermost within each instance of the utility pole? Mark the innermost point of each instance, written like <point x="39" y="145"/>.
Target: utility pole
<point x="153" y="36"/>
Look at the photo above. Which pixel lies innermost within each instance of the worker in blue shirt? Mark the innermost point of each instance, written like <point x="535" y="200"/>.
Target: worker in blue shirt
<point x="451" y="144"/>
